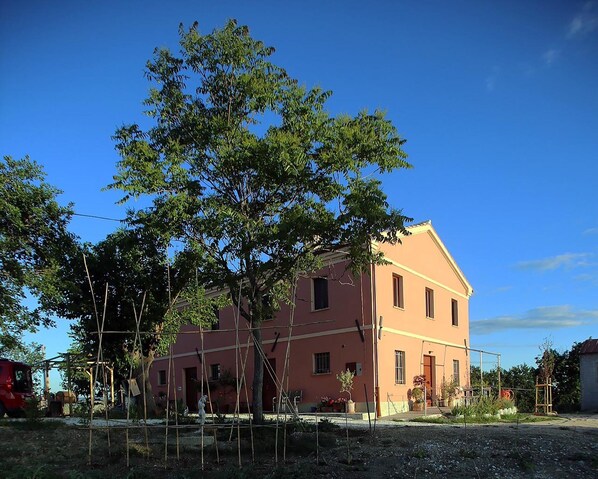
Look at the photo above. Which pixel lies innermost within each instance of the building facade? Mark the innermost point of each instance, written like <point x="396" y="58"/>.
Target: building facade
<point x="588" y="372"/>
<point x="405" y="318"/>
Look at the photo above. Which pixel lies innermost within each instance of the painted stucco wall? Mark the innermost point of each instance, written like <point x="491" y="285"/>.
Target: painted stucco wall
<point x="588" y="371"/>
<point x="422" y="262"/>
<point x="331" y="330"/>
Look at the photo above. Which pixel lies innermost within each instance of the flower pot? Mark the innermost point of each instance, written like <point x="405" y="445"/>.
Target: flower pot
<point x="418" y="406"/>
<point x="338" y="408"/>
<point x="350" y="407"/>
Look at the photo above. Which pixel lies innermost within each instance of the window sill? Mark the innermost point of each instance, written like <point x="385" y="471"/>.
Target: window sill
<point x="321" y="374"/>
<point x="430" y="317"/>
<point x="402" y="308"/>
<point x="321" y="309"/>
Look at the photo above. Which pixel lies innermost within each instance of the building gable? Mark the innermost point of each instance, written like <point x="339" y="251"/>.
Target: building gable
<point x="423" y="253"/>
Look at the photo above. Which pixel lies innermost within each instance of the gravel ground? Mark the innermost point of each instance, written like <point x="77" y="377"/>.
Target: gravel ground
<point x="561" y="448"/>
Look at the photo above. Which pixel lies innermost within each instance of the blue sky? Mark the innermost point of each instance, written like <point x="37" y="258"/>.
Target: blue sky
<point x="498" y="102"/>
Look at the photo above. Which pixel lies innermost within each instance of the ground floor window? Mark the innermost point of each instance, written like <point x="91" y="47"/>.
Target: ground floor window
<point x="400" y="367"/>
<point x="456" y="372"/>
<point x="321" y="363"/>
<point x="162" y="377"/>
<point x="215" y="371"/>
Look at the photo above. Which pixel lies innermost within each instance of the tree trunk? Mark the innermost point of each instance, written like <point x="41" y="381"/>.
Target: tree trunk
<point x="258" y="376"/>
<point x="143" y="381"/>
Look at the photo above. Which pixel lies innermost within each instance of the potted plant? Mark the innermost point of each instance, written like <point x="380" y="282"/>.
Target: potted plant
<point x="326" y="404"/>
<point x="449" y="390"/>
<point x="417" y="392"/>
<point x="346" y="379"/>
<point x="339" y="405"/>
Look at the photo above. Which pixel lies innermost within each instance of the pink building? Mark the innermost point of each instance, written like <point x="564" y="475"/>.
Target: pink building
<point x="406" y="318"/>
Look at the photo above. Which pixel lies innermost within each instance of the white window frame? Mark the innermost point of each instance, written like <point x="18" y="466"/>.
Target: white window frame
<point x="400" y="367"/>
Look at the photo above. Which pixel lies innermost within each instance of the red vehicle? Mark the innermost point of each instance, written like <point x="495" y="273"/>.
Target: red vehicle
<point x="16" y="387"/>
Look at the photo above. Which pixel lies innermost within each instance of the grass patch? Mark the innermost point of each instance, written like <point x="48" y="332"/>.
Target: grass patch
<point x="508" y="419"/>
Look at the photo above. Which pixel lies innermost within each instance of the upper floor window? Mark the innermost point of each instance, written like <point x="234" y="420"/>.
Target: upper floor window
<point x="319" y="293"/>
<point x="321" y="363"/>
<point x="429" y="303"/>
<point x="397" y="291"/>
<point x="400" y="367"/>
<point x="162" y="377"/>
<point x="216" y="320"/>
<point x="454" y="312"/>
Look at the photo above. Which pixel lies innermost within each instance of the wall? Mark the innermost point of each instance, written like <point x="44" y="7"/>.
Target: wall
<point x="588" y="370"/>
<point x="330" y="330"/>
<point x="423" y="263"/>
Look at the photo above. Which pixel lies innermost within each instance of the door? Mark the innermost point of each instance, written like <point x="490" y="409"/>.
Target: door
<point x="269" y="388"/>
<point x="191" y="389"/>
<point x="430" y="380"/>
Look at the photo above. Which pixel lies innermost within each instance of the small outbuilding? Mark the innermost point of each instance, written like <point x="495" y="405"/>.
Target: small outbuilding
<point x="588" y="372"/>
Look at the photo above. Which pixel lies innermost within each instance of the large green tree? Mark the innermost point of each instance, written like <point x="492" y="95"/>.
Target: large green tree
<point x="33" y="238"/>
<point x="250" y="172"/>
<point x="123" y="277"/>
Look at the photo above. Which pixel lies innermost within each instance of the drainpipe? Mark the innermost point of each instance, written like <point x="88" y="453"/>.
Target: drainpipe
<point x="375" y="339"/>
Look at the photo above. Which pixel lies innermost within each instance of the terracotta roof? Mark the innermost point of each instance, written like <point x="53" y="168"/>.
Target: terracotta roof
<point x="589" y="346"/>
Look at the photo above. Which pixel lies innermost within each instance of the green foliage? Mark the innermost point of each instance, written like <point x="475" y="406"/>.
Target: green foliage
<point x="563" y="369"/>
<point x="486" y="405"/>
<point x="448" y="388"/>
<point x="247" y="169"/>
<point x="346" y="379"/>
<point x="199" y="311"/>
<point x="33" y="412"/>
<point x="33" y="238"/>
<point x="521" y="379"/>
<point x="567" y="388"/>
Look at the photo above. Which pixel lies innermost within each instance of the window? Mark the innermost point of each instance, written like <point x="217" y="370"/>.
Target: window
<point x="397" y="289"/>
<point x="162" y="377"/>
<point x="429" y="303"/>
<point x="456" y="374"/>
<point x="216" y="320"/>
<point x="320" y="293"/>
<point x="321" y="363"/>
<point x="455" y="312"/>
<point x="400" y="367"/>
<point x="351" y="367"/>
<point x="214" y="371"/>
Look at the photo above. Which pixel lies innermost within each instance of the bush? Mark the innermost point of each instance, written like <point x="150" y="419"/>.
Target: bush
<point x="486" y="405"/>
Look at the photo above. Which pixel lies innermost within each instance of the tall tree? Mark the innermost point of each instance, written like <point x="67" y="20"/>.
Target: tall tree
<point x="33" y="238"/>
<point x="565" y="374"/>
<point x="250" y="172"/>
<point x="129" y="277"/>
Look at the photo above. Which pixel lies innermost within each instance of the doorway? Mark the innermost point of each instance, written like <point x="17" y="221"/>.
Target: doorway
<point x="269" y="388"/>
<point x="429" y="362"/>
<point x="191" y="388"/>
